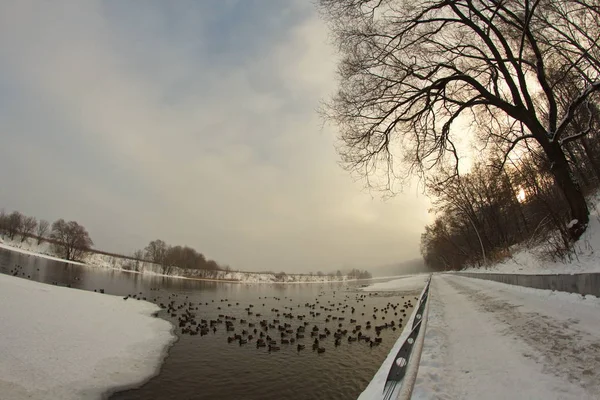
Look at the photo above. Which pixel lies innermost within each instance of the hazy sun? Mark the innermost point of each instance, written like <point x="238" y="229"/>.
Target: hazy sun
<point x="521" y="196"/>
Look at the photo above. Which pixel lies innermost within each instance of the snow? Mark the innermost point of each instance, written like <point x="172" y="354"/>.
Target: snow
<point x="99" y="260"/>
<point x="375" y="388"/>
<point x="37" y="254"/>
<point x="488" y="340"/>
<point x="530" y="261"/>
<point x="60" y="343"/>
<point x="408" y="283"/>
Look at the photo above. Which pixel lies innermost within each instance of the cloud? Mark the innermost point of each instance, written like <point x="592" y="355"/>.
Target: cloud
<point x="191" y="123"/>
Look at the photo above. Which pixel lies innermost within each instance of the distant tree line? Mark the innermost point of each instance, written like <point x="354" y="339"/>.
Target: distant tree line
<point x="281" y="276"/>
<point x="359" y="274"/>
<point x="168" y="257"/>
<point x="69" y="240"/>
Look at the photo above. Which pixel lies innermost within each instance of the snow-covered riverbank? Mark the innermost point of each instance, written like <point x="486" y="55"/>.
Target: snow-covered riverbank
<point x="530" y="260"/>
<point x="60" y="343"/>
<point x="125" y="264"/>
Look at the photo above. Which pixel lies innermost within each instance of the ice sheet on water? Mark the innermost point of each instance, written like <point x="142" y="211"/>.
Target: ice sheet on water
<point x="408" y="283"/>
<point x="60" y="343"/>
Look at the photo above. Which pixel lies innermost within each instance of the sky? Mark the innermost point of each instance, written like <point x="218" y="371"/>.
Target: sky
<point x="194" y="122"/>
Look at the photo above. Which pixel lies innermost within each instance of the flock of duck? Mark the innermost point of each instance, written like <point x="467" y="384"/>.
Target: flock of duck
<point x="301" y="325"/>
<point x="18" y="270"/>
<point x="311" y="323"/>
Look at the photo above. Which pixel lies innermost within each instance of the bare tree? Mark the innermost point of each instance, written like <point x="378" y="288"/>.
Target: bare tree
<point x="356" y="273"/>
<point x="159" y="253"/>
<point x="3" y="221"/>
<point x="138" y="255"/>
<point x="42" y="229"/>
<point x="156" y="251"/>
<point x="280" y="277"/>
<point x="412" y="70"/>
<point x="481" y="214"/>
<point x="14" y="223"/>
<point x="71" y="240"/>
<point x="28" y="227"/>
<point x="169" y="257"/>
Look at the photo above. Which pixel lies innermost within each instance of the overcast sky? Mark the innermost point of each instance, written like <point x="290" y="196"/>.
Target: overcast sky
<point x="193" y="122"/>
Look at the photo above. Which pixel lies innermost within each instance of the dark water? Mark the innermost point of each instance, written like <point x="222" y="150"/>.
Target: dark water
<point x="208" y="367"/>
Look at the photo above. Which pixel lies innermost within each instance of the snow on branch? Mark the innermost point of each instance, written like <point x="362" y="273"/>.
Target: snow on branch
<point x="562" y="126"/>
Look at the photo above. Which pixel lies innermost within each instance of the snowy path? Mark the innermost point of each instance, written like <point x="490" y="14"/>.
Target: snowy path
<point x="487" y="340"/>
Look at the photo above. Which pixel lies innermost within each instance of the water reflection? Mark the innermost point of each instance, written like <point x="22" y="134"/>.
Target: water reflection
<point x="209" y="367"/>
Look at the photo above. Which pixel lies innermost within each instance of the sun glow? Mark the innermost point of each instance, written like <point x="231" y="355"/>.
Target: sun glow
<point x="521" y="196"/>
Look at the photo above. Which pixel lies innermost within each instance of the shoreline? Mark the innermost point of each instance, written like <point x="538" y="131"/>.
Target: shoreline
<point x="8" y="247"/>
<point x="127" y="357"/>
<point x="5" y="246"/>
<point x="165" y="354"/>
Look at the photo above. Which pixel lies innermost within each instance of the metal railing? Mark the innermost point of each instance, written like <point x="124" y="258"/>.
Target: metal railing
<point x="583" y="283"/>
<point x="396" y="376"/>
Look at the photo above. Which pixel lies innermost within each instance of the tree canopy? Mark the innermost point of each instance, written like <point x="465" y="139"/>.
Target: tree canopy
<point x="71" y="240"/>
<point x="416" y="76"/>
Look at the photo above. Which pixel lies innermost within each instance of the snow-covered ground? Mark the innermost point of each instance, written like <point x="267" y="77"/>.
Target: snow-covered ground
<point x="530" y="260"/>
<point x="98" y="260"/>
<point x="407" y="283"/>
<point x="60" y="343"/>
<point x="24" y="250"/>
<point x="488" y="340"/>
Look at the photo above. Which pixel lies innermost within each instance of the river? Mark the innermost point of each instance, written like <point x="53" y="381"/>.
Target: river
<point x="209" y="367"/>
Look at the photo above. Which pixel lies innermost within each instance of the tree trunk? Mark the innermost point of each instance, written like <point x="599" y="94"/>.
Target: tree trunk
<point x="572" y="192"/>
<point x="577" y="164"/>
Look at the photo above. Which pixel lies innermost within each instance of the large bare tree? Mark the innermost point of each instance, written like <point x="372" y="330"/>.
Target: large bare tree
<point x="156" y="251"/>
<point x="14" y="223"/>
<point x="42" y="229"/>
<point x="415" y="74"/>
<point x="71" y="240"/>
<point x="28" y="227"/>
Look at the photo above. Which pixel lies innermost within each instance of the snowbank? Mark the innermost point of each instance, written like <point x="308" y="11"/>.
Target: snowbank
<point x="60" y="343"/>
<point x="408" y="283"/>
<point x="528" y="260"/>
<point x="24" y="250"/>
